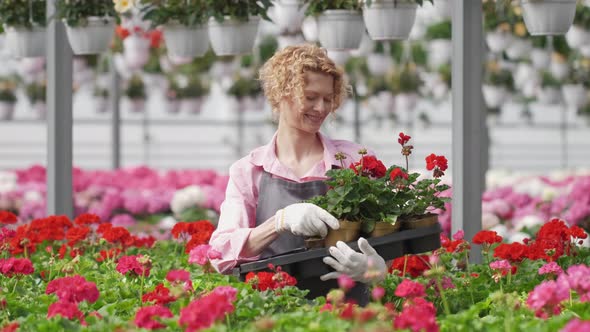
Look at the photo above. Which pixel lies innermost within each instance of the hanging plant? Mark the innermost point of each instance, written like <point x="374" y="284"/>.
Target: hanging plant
<point x="340" y="23"/>
<point x="390" y="19"/>
<point x="24" y="22"/>
<point x="89" y="24"/>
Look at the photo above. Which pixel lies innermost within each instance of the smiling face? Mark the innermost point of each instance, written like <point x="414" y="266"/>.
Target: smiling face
<point x="309" y="114"/>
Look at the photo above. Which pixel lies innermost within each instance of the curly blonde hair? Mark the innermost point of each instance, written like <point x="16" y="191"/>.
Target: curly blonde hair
<point x="283" y="74"/>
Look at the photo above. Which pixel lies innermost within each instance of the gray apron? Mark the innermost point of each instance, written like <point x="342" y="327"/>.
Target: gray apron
<point x="275" y="194"/>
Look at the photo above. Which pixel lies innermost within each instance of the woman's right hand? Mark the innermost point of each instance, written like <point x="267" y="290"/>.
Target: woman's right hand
<point x="305" y="219"/>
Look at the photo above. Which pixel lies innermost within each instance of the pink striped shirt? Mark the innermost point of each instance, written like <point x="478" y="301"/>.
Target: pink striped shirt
<point x="238" y="211"/>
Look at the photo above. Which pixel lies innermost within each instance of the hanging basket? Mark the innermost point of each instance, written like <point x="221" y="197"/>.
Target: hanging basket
<point x="233" y="37"/>
<point x="136" y="51"/>
<point x="498" y="41"/>
<point x="548" y="17"/>
<point x="186" y="42"/>
<point x="494" y="95"/>
<point x="6" y="110"/>
<point x="289" y="15"/>
<point x="574" y="95"/>
<point x="191" y="105"/>
<point x="93" y="38"/>
<point x="389" y="20"/>
<point x="577" y="37"/>
<point x="340" y="30"/>
<point x="25" y="43"/>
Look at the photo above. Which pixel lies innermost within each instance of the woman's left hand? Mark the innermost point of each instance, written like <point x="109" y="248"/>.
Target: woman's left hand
<point x="366" y="266"/>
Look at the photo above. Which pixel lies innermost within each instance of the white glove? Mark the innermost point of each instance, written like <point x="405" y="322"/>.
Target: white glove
<point x="305" y="219"/>
<point x="366" y="266"/>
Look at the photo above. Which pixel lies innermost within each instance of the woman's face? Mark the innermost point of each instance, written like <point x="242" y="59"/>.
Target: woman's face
<point x="318" y="94"/>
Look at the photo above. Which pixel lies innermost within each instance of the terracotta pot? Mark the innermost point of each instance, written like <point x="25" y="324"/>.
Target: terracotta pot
<point x="348" y="231"/>
<point x="425" y="220"/>
<point x="314" y="242"/>
<point x="384" y="228"/>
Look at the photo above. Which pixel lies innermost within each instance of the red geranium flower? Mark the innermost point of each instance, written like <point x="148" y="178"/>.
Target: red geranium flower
<point x="437" y="163"/>
<point x="145" y="317"/>
<point x="398" y="173"/>
<point x="414" y="265"/>
<point x="87" y="219"/>
<point x="7" y="217"/>
<point x="514" y="252"/>
<point x="67" y="310"/>
<point x="371" y="166"/>
<point x="486" y="237"/>
<point x="76" y="234"/>
<point x="403" y="139"/>
<point x="160" y="295"/>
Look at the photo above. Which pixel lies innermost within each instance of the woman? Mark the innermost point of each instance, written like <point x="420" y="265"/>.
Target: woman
<point x="261" y="216"/>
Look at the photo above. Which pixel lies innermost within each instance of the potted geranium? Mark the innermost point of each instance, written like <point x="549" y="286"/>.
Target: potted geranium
<point x="184" y="25"/>
<point x="549" y="92"/>
<point x="135" y="94"/>
<point x="89" y="24"/>
<point x="248" y="92"/>
<point x="390" y="19"/>
<point x="440" y="48"/>
<point x="24" y="22"/>
<point x="498" y="82"/>
<point x="36" y="92"/>
<point x="233" y="24"/>
<point x="340" y="23"/>
<point x="405" y="83"/>
<point x="7" y="99"/>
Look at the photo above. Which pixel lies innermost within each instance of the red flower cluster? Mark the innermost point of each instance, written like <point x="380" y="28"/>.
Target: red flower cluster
<point x="139" y="265"/>
<point x="514" y="252"/>
<point x="199" y="232"/>
<point x="369" y="166"/>
<point x="203" y="312"/>
<point x="418" y="315"/>
<point x="16" y="266"/>
<point x="437" y="163"/>
<point x="398" y="173"/>
<point x="116" y="235"/>
<point x="28" y="236"/>
<point x="452" y="246"/>
<point x="414" y="265"/>
<point x="73" y="289"/>
<point x="7" y="217"/>
<point x="270" y="280"/>
<point x="160" y="295"/>
<point x="11" y="327"/>
<point x="486" y="237"/>
<point x="108" y="254"/>
<point x="145" y="317"/>
<point x="67" y="310"/>
<point x="403" y="139"/>
<point x="87" y="219"/>
<point x="76" y="234"/>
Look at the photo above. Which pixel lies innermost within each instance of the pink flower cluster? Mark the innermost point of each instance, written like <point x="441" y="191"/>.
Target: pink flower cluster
<point x="202" y="253"/>
<point x="546" y="298"/>
<point x="70" y="291"/>
<point x="550" y="268"/>
<point x="576" y="325"/>
<point x="15" y="266"/>
<point x="417" y="316"/>
<point x="218" y="303"/>
<point x="134" y="264"/>
<point x="410" y="289"/>
<point x="180" y="277"/>
<point x="577" y="278"/>
<point x="146" y="317"/>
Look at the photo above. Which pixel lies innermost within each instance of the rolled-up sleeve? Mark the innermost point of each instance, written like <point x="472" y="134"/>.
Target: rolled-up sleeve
<point x="236" y="221"/>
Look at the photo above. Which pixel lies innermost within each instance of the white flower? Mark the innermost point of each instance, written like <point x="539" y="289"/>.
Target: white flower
<point x="489" y="220"/>
<point x="187" y="197"/>
<point x="530" y="222"/>
<point x="167" y="222"/>
<point x="518" y="237"/>
<point x="7" y="181"/>
<point x="123" y="6"/>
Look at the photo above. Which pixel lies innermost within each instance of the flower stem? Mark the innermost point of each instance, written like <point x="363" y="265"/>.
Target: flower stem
<point x="405" y="264"/>
<point x="142" y="277"/>
<point x="442" y="296"/>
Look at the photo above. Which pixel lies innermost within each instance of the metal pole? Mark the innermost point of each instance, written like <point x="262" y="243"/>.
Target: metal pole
<point x="116" y="124"/>
<point x="357" y="115"/>
<point x="563" y="127"/>
<point x="59" y="118"/>
<point x="467" y="119"/>
<point x="240" y="128"/>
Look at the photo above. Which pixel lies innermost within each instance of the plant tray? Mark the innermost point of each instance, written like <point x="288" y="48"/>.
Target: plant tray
<point x="305" y="263"/>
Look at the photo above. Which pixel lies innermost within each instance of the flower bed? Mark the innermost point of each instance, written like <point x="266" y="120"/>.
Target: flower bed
<point x="87" y="274"/>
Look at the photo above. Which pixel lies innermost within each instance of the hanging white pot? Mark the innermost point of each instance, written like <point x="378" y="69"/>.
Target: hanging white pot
<point x="94" y="38"/>
<point x="289" y="40"/>
<point x="379" y="64"/>
<point x="548" y="95"/>
<point x="309" y="28"/>
<point x="101" y="105"/>
<point x="389" y="19"/>
<point x="498" y="41"/>
<point x="155" y="81"/>
<point x="525" y="73"/>
<point x="191" y="105"/>
<point x="134" y="105"/>
<point x="406" y="101"/>
<point x="25" y="43"/>
<point x="548" y="17"/>
<point x="289" y="14"/>
<point x="493" y="95"/>
<point x="121" y="66"/>
<point x="559" y="70"/>
<point x="136" y="51"/>
<point x="439" y="52"/>
<point x="340" y="30"/>
<point x="233" y="37"/>
<point x="339" y="57"/>
<point x="577" y="37"/>
<point x="519" y="48"/>
<point x="585" y="51"/>
<point x="440" y="90"/>
<point x="540" y="58"/>
<point x="186" y="42"/>
<point x="574" y="95"/>
<point x="443" y="8"/>
<point x="6" y="110"/>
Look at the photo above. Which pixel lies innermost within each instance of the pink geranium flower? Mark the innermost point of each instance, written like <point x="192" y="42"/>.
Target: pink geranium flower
<point x="550" y="268"/>
<point x="11" y="266"/>
<point x="546" y="298"/>
<point x="73" y="289"/>
<point x="202" y="253"/>
<point x="146" y="317"/>
<point x="378" y="293"/>
<point x="133" y="264"/>
<point x="67" y="310"/>
<point x="576" y="325"/>
<point x="410" y="289"/>
<point x="203" y="312"/>
<point x="345" y="282"/>
<point x="417" y="316"/>
<point x="501" y="265"/>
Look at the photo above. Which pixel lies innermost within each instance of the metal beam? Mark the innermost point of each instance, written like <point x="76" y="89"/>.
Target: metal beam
<point x="59" y="118"/>
<point x="468" y="119"/>
<point x="115" y="95"/>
